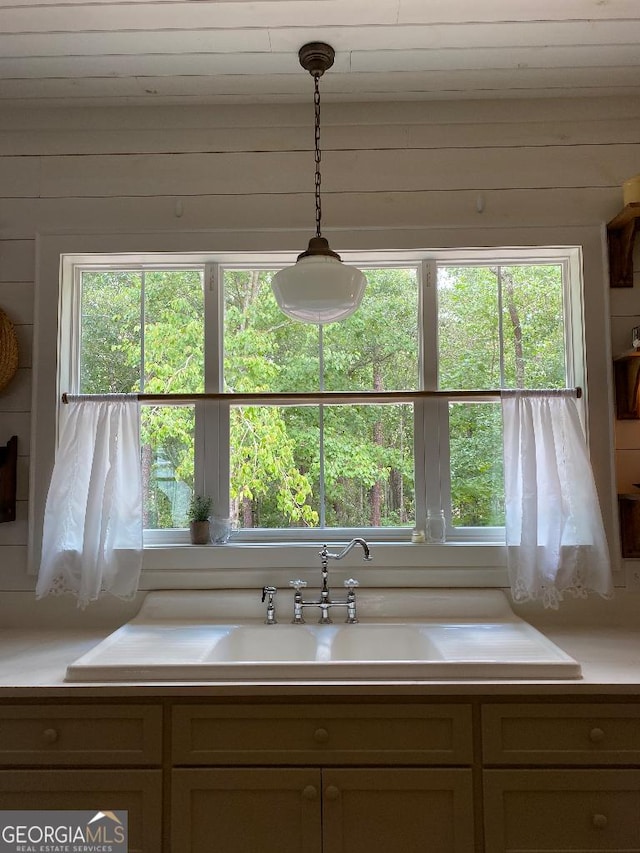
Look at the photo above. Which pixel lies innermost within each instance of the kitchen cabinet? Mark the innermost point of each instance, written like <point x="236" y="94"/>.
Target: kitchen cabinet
<point x="85" y="757"/>
<point x="411" y="809"/>
<point x="286" y="810"/>
<point x="562" y="810"/>
<point x="337" y="801"/>
<point x="549" y="781"/>
<point x="233" y="811"/>
<point x="138" y="792"/>
<point x="321" y="734"/>
<point x="356" y="775"/>
<point x="80" y="735"/>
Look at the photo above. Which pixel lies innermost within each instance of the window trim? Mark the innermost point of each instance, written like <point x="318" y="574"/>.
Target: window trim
<point x="431" y="418"/>
<point x="176" y="563"/>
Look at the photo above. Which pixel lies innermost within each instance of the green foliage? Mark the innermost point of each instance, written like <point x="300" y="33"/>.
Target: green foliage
<point x="199" y="508"/>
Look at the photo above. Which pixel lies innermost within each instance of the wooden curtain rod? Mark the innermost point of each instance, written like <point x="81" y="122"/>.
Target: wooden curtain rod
<point x="328" y="397"/>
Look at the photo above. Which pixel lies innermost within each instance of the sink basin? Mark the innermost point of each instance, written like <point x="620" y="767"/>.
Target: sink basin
<point x="261" y="643"/>
<point x="459" y="635"/>
<point x="374" y="642"/>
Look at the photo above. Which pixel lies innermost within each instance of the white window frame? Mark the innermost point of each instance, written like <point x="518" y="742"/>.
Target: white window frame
<point x="457" y="563"/>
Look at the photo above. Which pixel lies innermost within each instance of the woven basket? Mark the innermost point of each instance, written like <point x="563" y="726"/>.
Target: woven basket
<point x="8" y="350"/>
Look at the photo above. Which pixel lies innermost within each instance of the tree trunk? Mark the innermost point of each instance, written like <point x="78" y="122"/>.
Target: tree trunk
<point x="247" y="513"/>
<point x="378" y="439"/>
<point x="250" y="295"/>
<point x="396" y="486"/>
<point x="509" y="294"/>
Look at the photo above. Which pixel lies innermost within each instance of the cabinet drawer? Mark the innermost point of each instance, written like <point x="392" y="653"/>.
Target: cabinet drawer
<point x="557" y="810"/>
<point x="80" y="735"/>
<point x="302" y="734"/>
<point x="561" y="734"/>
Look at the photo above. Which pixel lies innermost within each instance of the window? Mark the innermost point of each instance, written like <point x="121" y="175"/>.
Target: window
<point x="499" y="326"/>
<point x="455" y="321"/>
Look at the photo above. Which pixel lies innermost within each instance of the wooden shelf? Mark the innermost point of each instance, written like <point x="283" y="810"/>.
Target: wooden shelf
<point x="621" y="235"/>
<point x="626" y="372"/>
<point x="629" y="513"/>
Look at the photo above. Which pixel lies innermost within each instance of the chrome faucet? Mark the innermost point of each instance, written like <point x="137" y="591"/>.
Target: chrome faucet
<point x="325" y="603"/>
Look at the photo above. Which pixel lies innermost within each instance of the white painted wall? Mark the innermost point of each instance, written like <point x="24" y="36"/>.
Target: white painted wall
<point x="394" y="175"/>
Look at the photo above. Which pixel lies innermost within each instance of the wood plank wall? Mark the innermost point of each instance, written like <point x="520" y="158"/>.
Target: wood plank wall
<point x="247" y="171"/>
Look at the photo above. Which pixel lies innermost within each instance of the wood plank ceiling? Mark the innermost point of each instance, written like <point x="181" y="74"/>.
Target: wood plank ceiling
<point x="137" y="52"/>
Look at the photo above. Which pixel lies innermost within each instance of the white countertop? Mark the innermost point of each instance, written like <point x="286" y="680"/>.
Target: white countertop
<point x="33" y="665"/>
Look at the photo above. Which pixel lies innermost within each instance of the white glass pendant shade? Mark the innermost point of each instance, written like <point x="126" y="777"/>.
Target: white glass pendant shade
<point x="319" y="288"/>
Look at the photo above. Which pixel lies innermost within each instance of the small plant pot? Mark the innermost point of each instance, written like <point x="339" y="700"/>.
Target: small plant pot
<point x="200" y="532"/>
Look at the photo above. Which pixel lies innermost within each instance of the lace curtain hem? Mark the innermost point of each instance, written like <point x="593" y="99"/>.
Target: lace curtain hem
<point x="59" y="587"/>
<point x="551" y="596"/>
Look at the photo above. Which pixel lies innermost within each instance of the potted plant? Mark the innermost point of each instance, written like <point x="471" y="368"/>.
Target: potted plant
<point x="199" y="511"/>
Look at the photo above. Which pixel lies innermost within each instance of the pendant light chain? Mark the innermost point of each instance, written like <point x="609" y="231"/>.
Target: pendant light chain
<point x="318" y="153"/>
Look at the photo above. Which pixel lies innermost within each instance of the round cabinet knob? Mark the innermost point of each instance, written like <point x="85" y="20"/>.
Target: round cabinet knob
<point x="321" y="736"/>
<point x="596" y="735"/>
<point x="599" y="821"/>
<point x="310" y="792"/>
<point x="50" y="736"/>
<point x="331" y="792"/>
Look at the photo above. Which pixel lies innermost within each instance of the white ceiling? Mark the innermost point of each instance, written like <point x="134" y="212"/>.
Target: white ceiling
<point x="102" y="52"/>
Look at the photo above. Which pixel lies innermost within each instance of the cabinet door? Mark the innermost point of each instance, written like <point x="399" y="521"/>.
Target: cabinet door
<point x="410" y="810"/>
<point x="251" y="810"/>
<point x="138" y="792"/>
<point x="556" y="810"/>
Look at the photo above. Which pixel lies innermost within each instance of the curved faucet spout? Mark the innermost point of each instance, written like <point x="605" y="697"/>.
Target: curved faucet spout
<point x="346" y="549"/>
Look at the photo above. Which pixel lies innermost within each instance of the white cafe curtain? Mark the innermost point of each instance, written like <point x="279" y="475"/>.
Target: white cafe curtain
<point x="92" y="539"/>
<point x="556" y="542"/>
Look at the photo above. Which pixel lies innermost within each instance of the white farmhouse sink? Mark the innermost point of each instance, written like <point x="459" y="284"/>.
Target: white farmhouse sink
<point x="458" y="634"/>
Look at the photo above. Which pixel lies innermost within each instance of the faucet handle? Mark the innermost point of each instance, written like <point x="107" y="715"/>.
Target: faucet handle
<point x="352" y="583"/>
<point x="269" y="591"/>
<point x="298" y="584"/>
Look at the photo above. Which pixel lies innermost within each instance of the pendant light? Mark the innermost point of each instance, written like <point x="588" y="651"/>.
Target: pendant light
<point x="318" y="288"/>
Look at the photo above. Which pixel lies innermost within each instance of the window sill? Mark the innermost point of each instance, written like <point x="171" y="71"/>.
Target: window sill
<point x="454" y="564"/>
